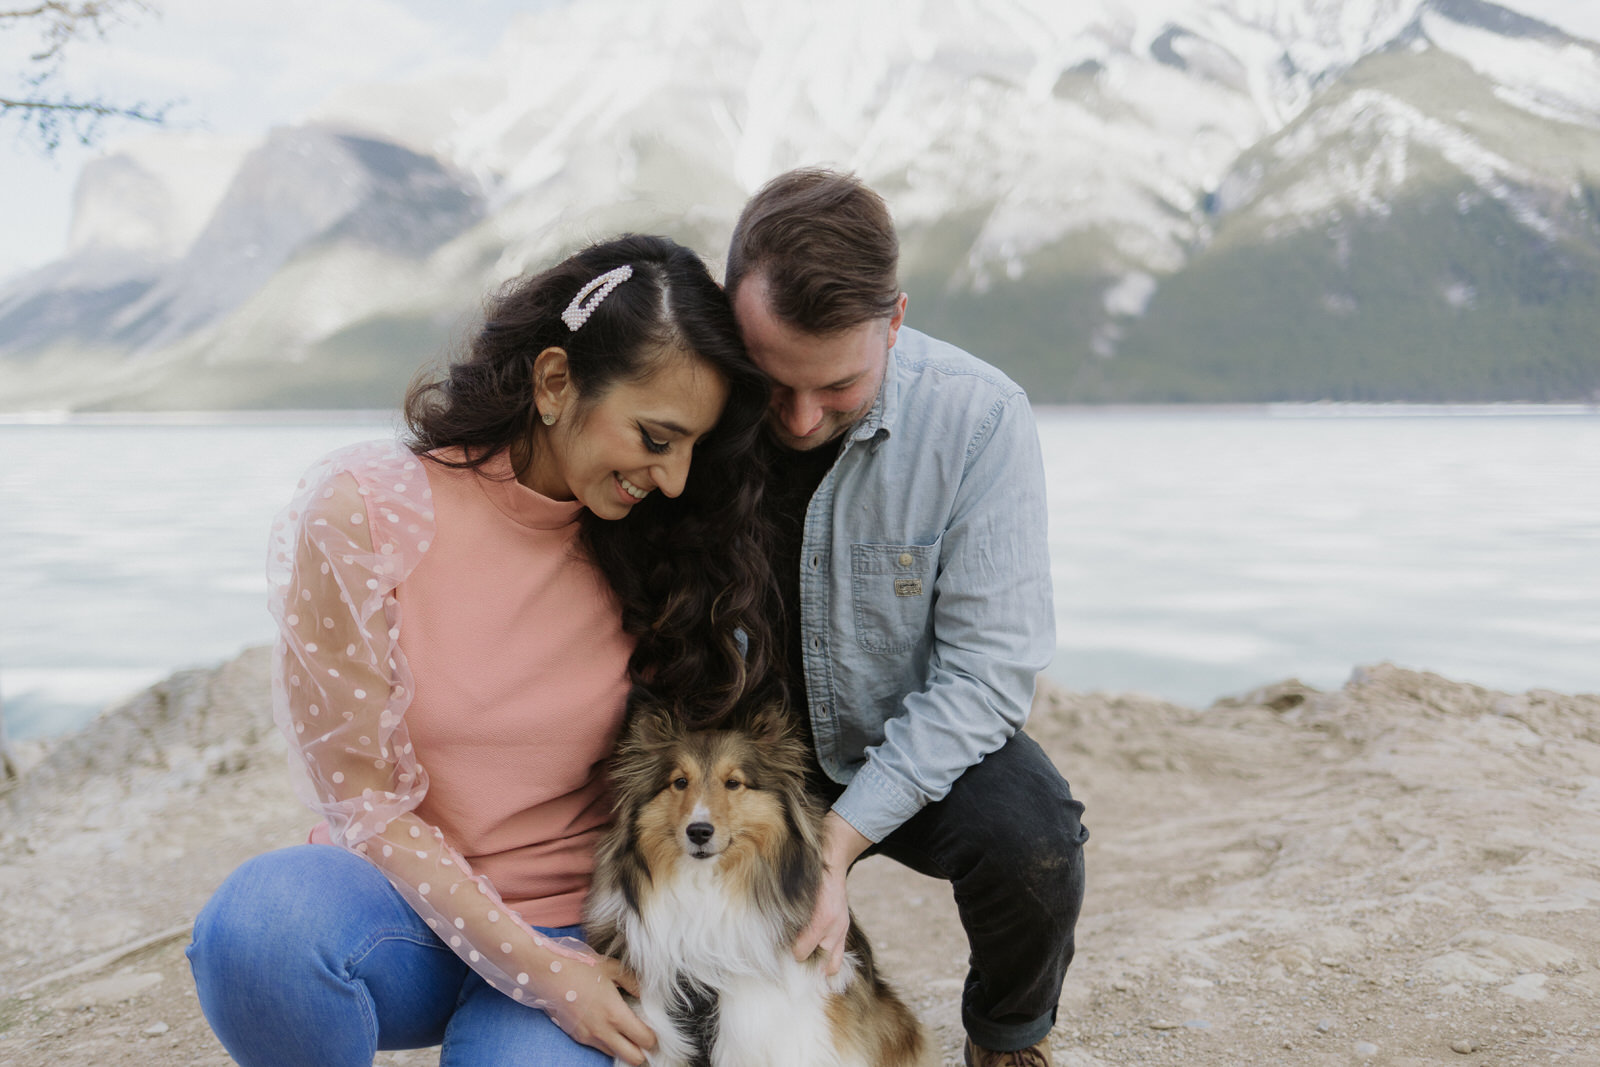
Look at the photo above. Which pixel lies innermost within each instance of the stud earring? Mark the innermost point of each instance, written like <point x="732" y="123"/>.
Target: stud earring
<point x="548" y="419"/>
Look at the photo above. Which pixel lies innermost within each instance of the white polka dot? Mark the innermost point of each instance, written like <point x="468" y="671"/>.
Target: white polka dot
<point x="338" y="776"/>
<point x="350" y="649"/>
<point x="293" y="620"/>
<point x="424" y="888"/>
<point x="333" y="672"/>
<point x="555" y="966"/>
<point x="494" y="916"/>
<point x="360" y="694"/>
<point x="444" y="861"/>
<point x="416" y="831"/>
<point x="388" y="550"/>
<point x="433" y="924"/>
<point x="327" y="623"/>
<point x="380" y="764"/>
<point x="572" y="994"/>
<point x="294" y="679"/>
<point x="422" y="546"/>
<point x="455" y="942"/>
<point x="473" y="956"/>
<point x="522" y="978"/>
<point x="516" y="994"/>
<point x="311" y="646"/>
<point x="421" y="855"/>
<point x="299" y="727"/>
<point x="324" y="568"/>
<point x="388" y="850"/>
<point x="372" y="583"/>
<point x="461" y="924"/>
<point x="505" y="946"/>
<point x="366" y="741"/>
<point x="355" y="518"/>
<point x="315" y="711"/>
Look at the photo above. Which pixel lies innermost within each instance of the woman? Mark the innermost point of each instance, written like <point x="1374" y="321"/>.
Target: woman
<point x="460" y="623"/>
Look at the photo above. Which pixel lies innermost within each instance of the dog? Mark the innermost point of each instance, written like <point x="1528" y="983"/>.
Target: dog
<point x="709" y="872"/>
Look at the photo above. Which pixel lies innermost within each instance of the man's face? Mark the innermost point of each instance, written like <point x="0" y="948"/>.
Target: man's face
<point x="822" y="383"/>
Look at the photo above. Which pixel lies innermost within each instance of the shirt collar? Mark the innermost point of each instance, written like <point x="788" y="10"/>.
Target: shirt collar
<point x="879" y="421"/>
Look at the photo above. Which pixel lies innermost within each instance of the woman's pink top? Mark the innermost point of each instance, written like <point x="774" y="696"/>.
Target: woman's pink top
<point x="451" y="677"/>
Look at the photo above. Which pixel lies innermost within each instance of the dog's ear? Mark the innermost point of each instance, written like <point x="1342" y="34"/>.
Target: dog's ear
<point x="651" y="721"/>
<point x="770" y="725"/>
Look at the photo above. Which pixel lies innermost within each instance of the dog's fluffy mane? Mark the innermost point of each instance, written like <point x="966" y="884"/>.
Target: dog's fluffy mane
<point x="786" y="886"/>
<point x="710" y="929"/>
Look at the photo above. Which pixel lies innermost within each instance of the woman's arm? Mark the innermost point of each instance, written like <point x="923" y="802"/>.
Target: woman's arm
<point x="341" y="690"/>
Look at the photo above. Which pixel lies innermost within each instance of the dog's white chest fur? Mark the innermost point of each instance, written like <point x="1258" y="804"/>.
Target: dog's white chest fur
<point x="771" y="1009"/>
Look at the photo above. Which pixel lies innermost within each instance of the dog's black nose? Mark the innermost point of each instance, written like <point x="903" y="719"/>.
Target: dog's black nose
<point x="700" y="832"/>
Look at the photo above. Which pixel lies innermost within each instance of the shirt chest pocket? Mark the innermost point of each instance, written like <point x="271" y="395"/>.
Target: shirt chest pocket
<point x="892" y="591"/>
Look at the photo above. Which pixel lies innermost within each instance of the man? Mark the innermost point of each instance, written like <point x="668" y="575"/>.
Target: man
<point x="908" y="492"/>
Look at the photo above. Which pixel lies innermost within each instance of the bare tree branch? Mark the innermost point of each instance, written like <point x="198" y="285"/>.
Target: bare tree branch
<point x="47" y="115"/>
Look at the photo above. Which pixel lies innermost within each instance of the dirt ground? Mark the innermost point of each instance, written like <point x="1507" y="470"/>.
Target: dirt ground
<point x="1405" y="871"/>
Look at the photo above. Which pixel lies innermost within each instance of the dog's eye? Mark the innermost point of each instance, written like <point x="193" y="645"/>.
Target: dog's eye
<point x="733" y="783"/>
<point x="680" y="783"/>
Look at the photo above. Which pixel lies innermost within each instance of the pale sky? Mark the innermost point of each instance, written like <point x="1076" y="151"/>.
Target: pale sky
<point x="233" y="67"/>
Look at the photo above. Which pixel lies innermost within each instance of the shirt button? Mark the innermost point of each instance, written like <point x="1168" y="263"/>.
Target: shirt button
<point x="905" y="559"/>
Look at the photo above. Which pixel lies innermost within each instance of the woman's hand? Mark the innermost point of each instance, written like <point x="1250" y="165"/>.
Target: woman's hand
<point x="592" y="1012"/>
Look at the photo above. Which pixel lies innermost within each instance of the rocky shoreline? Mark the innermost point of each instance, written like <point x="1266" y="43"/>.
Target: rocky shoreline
<point x="1403" y="871"/>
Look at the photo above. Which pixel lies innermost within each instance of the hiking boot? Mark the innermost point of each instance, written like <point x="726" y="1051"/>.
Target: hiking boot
<point x="1033" y="1056"/>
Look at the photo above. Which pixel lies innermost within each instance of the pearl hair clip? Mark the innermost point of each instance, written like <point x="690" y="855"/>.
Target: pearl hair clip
<point x="578" y="312"/>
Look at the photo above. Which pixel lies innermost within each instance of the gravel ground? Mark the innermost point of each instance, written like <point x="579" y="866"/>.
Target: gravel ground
<point x="1405" y="871"/>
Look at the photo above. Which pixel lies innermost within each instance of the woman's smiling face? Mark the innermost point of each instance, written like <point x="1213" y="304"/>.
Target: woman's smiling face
<point x="636" y="438"/>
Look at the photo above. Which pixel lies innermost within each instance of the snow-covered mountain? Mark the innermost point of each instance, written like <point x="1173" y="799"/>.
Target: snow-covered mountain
<point x="1114" y="199"/>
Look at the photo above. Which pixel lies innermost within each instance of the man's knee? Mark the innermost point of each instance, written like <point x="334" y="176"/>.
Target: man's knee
<point x="1009" y="822"/>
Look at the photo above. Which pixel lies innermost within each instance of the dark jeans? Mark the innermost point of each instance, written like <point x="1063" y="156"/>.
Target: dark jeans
<point x="1009" y="840"/>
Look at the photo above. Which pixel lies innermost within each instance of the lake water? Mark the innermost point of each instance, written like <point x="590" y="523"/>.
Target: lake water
<point x="1196" y="553"/>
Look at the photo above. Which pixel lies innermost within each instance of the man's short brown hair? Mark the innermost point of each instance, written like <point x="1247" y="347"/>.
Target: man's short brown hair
<point x="825" y="244"/>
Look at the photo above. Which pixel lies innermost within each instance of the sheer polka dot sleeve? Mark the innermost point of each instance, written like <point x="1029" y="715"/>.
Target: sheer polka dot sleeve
<point x="359" y="523"/>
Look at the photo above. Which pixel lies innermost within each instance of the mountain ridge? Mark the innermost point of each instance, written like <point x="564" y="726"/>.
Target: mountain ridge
<point x="1079" y="192"/>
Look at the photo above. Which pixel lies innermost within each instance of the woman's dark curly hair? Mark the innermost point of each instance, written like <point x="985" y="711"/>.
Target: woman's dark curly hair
<point x="692" y="573"/>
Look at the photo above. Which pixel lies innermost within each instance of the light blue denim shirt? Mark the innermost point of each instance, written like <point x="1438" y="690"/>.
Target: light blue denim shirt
<point x="925" y="600"/>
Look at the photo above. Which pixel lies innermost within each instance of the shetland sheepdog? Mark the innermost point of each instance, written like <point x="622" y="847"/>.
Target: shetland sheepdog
<point x="707" y="875"/>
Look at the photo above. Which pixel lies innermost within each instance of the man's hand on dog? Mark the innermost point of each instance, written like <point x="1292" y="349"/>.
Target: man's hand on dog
<point x="601" y="1019"/>
<point x="830" y="919"/>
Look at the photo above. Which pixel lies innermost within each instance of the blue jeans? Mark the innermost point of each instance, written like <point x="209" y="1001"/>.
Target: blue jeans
<point x="308" y="956"/>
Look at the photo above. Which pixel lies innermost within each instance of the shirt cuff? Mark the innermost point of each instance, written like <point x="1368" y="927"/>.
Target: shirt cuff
<point x="874" y="805"/>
